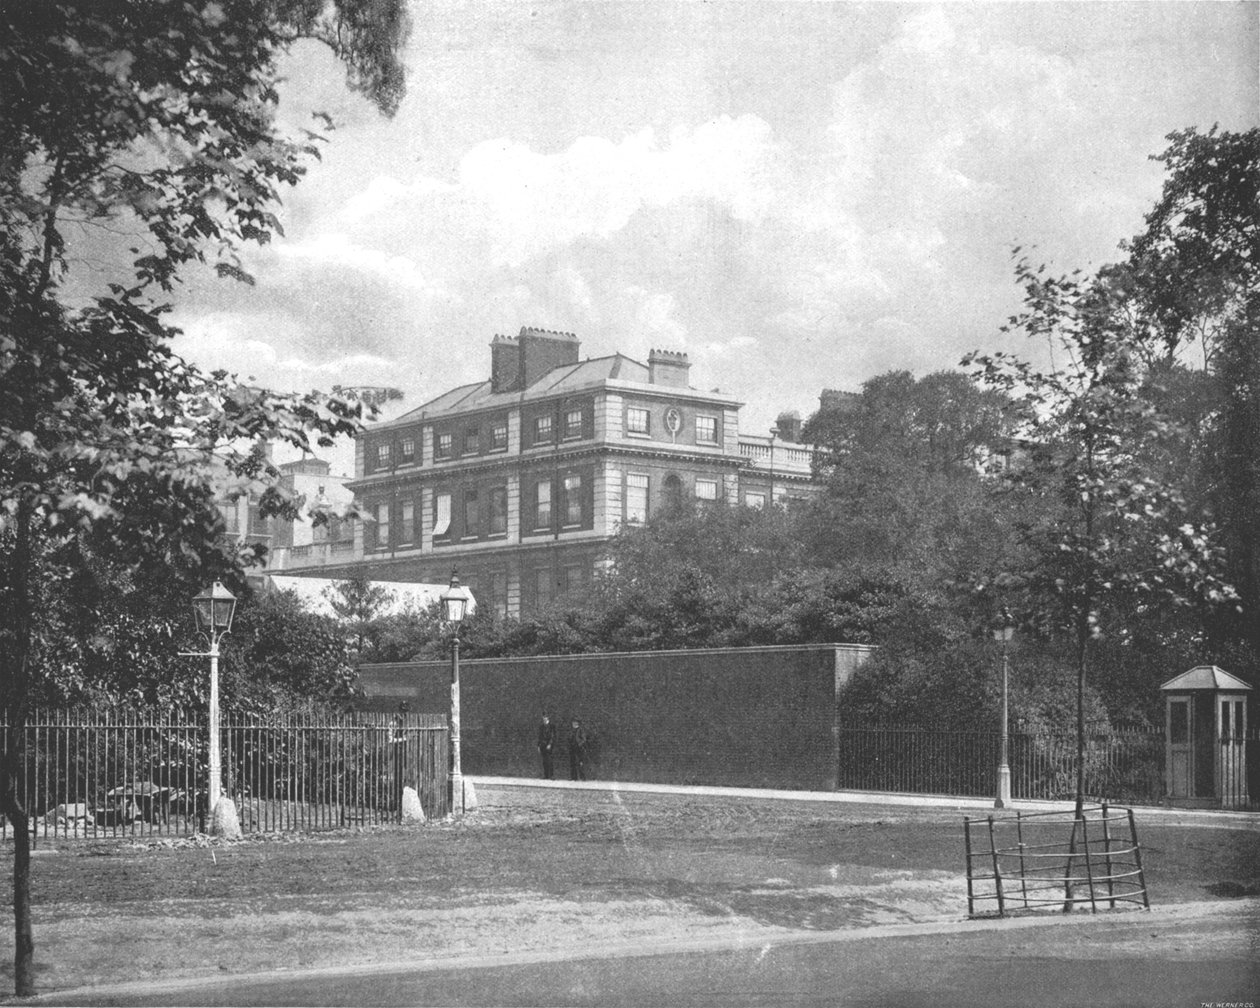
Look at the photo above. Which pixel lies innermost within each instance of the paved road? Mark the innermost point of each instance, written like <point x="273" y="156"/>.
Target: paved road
<point x="1133" y="959"/>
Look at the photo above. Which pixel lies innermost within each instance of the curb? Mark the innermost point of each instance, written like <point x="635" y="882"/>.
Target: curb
<point x="980" y="806"/>
<point x="1247" y="908"/>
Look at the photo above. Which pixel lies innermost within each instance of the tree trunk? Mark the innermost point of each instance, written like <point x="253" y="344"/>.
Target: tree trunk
<point x="1082" y="665"/>
<point x="23" y="935"/>
<point x="15" y="689"/>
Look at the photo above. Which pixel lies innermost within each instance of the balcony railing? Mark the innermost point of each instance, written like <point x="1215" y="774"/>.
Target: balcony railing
<point x="780" y="456"/>
<point x="311" y="554"/>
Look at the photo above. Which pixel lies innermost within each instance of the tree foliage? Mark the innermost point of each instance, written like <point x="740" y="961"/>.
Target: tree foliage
<point x="1199" y="257"/>
<point x="156" y="121"/>
<point x="903" y="468"/>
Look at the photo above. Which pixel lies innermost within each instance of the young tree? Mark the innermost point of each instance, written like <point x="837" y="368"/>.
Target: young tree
<point x="157" y="120"/>
<point x="359" y="604"/>
<point x="1112" y="530"/>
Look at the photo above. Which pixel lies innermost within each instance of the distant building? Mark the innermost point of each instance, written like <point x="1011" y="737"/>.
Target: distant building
<point x="519" y="481"/>
<point x="293" y="541"/>
<point x="289" y="541"/>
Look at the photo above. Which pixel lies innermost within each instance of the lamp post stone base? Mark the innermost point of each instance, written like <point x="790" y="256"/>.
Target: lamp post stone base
<point x="224" y="821"/>
<point x="412" y="810"/>
<point x="1003" y="799"/>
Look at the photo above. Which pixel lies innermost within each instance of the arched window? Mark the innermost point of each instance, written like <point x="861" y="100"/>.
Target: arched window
<point x="673" y="491"/>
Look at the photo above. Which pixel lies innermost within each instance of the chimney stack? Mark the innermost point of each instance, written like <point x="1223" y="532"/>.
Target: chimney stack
<point x="834" y="399"/>
<point x="542" y="350"/>
<point x="665" y="367"/>
<point x="505" y="364"/>
<point x="789" y="426"/>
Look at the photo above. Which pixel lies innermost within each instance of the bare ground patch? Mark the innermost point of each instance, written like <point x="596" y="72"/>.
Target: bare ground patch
<point x="530" y="871"/>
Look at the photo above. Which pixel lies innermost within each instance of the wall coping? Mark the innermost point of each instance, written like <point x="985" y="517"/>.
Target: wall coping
<point x="528" y="659"/>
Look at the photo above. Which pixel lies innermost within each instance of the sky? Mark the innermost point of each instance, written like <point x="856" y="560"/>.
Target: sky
<point x="799" y="196"/>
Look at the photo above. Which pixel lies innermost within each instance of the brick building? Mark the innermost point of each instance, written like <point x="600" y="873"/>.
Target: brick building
<point x="520" y="480"/>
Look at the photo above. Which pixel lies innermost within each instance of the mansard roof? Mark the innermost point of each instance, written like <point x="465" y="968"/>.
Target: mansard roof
<point x="557" y="381"/>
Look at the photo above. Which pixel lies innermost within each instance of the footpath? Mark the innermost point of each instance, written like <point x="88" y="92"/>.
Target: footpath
<point x="972" y="806"/>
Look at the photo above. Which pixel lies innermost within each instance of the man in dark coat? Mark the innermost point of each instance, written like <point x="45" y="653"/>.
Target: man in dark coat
<point x="578" y="741"/>
<point x="547" y="746"/>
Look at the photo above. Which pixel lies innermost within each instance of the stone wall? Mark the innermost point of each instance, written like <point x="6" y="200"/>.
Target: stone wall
<point x="745" y="717"/>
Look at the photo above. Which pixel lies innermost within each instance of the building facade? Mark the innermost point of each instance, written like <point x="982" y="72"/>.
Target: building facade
<point x="520" y="481"/>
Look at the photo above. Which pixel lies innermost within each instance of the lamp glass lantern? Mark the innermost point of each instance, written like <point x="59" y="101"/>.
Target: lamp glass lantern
<point x="213" y="610"/>
<point x="455" y="601"/>
<point x="1004" y="627"/>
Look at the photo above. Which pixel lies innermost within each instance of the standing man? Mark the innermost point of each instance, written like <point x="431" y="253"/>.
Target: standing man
<point x="546" y="747"/>
<point x="578" y="740"/>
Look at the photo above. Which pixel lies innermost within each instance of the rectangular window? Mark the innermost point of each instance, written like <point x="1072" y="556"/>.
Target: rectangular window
<point x="472" y="514"/>
<point x="573" y="423"/>
<point x="258" y="525"/>
<point x="498" y="435"/>
<point x="382" y="525"/>
<point x="382" y="456"/>
<point x="573" y="499"/>
<point x="441" y="514"/>
<point x="444" y="445"/>
<point x="542" y="429"/>
<point x="231" y="517"/>
<point x="636" y="497"/>
<point x="572" y="577"/>
<point x="755" y="500"/>
<point x="498" y="510"/>
<point x="542" y="514"/>
<point x="407" y="525"/>
<point x="407" y="449"/>
<point x="498" y="593"/>
<point x="637" y="420"/>
<point x="706" y="430"/>
<point x="706" y="489"/>
<point x="542" y="587"/>
<point x="472" y="441"/>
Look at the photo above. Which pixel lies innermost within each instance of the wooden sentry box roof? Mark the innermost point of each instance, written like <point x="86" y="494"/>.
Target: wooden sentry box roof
<point x="1205" y="677"/>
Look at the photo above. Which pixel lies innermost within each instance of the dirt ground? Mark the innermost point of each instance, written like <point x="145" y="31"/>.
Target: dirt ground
<point x="539" y="870"/>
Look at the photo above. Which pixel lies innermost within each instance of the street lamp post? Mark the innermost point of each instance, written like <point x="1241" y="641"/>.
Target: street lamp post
<point x="456" y="603"/>
<point x="1003" y="631"/>
<point x="212" y="613"/>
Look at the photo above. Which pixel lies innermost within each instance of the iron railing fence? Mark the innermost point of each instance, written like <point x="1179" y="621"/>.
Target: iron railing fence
<point x="1125" y="766"/>
<point x="111" y="773"/>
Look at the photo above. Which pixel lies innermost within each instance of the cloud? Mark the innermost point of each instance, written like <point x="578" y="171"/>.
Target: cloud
<point x="790" y="226"/>
<point x="517" y="202"/>
<point x="230" y="341"/>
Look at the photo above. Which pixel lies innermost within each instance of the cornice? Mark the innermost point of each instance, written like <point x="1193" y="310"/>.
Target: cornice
<point x="546" y="457"/>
